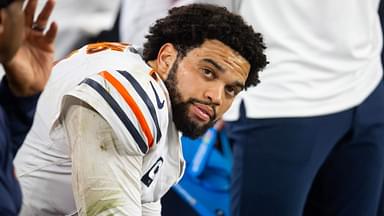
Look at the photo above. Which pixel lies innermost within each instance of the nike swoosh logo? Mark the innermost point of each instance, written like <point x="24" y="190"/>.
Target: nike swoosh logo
<point x="160" y="103"/>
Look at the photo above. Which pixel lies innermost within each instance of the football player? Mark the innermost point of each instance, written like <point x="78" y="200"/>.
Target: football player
<point x="115" y="146"/>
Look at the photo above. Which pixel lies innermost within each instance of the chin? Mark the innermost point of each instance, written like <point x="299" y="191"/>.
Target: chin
<point x="194" y="129"/>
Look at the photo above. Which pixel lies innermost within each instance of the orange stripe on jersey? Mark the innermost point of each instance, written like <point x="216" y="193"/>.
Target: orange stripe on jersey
<point x="131" y="103"/>
<point x="100" y="46"/>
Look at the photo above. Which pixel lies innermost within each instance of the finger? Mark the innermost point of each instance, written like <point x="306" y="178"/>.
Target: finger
<point x="45" y="13"/>
<point x="29" y="12"/>
<point x="50" y="35"/>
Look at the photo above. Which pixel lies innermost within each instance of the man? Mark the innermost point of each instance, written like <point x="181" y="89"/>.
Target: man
<point x="27" y="56"/>
<point x="122" y="145"/>
<point x="316" y="120"/>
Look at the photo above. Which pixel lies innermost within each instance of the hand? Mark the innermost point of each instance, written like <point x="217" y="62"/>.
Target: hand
<point x="29" y="69"/>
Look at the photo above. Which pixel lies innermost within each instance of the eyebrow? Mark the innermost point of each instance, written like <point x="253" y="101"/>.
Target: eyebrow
<point x="238" y="84"/>
<point x="215" y="64"/>
<point x="218" y="67"/>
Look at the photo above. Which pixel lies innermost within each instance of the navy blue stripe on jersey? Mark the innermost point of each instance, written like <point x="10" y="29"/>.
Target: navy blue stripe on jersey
<point x="119" y="112"/>
<point x="145" y="98"/>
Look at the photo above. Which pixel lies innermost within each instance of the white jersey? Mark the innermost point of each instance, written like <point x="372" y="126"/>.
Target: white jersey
<point x="130" y="97"/>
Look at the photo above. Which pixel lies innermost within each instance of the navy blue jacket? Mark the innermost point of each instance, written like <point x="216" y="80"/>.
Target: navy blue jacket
<point x="16" y="116"/>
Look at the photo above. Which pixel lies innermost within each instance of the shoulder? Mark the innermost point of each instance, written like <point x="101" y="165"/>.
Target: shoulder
<point x="100" y="55"/>
<point x="131" y="101"/>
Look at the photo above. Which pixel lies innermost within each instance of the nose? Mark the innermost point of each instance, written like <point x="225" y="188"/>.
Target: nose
<point x="215" y="94"/>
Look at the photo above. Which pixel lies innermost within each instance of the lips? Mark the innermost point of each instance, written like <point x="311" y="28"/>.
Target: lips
<point x="202" y="111"/>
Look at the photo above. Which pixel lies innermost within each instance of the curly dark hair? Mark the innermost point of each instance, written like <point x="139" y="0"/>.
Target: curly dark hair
<point x="187" y="27"/>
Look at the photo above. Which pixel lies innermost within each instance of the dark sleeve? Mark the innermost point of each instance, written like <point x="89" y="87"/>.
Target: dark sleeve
<point x="19" y="112"/>
<point x="381" y="14"/>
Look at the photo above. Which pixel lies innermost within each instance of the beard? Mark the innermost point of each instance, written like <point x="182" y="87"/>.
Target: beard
<point x="183" y="122"/>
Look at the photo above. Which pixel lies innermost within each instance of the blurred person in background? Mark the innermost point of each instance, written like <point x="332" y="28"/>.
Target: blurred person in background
<point x="80" y="20"/>
<point x="381" y="13"/>
<point x="26" y="53"/>
<point x="309" y="140"/>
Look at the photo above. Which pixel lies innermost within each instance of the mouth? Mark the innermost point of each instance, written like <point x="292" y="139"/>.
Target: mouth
<point x="202" y="112"/>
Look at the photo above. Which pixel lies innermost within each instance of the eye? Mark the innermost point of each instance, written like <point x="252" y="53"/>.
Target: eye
<point x="232" y="91"/>
<point x="209" y="74"/>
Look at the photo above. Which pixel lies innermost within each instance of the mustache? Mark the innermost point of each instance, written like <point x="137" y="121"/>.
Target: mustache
<point x="208" y="103"/>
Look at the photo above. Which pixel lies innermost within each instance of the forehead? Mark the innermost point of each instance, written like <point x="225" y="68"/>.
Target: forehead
<point x="227" y="58"/>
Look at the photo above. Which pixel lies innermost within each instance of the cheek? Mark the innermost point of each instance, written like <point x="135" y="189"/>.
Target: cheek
<point x="187" y="93"/>
<point x="224" y="107"/>
<point x="189" y="86"/>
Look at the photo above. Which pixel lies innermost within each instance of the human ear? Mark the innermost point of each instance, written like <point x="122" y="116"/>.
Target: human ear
<point x="165" y="59"/>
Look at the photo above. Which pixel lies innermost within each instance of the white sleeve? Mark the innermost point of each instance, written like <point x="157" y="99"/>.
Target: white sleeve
<point x="151" y="209"/>
<point x="126" y="101"/>
<point x="103" y="180"/>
